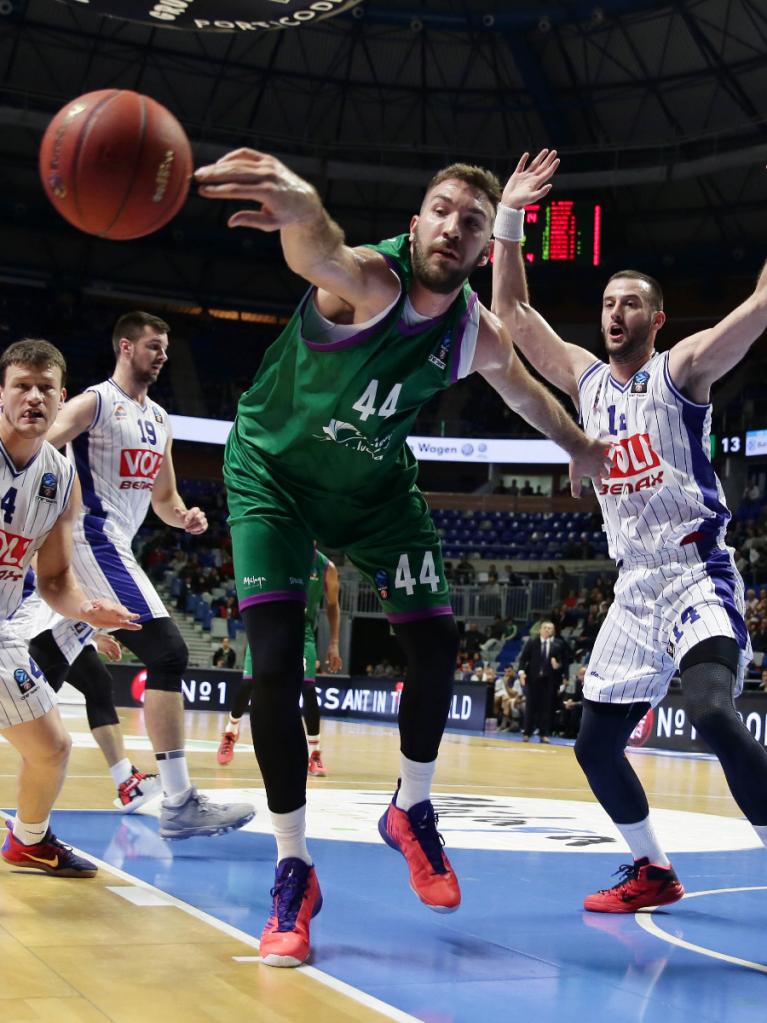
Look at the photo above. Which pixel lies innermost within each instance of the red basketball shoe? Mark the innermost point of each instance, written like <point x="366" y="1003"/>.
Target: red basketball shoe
<point x="316" y="766"/>
<point x="49" y="855"/>
<point x="297" y="898"/>
<point x="642" y="884"/>
<point x="414" y="833"/>
<point x="226" y="747"/>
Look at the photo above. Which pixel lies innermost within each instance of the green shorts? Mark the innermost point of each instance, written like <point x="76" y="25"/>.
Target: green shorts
<point x="388" y="535"/>
<point x="310" y="660"/>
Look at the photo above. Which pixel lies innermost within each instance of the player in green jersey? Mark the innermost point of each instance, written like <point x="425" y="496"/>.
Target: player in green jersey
<point x="318" y="450"/>
<point x="323" y="584"/>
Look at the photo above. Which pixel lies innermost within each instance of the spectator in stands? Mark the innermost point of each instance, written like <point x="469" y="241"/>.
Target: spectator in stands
<point x="759" y="638"/>
<point x="464" y="572"/>
<point x="514" y="489"/>
<point x="527" y="489"/>
<point x="492" y="575"/>
<point x="763" y="681"/>
<point x="224" y="657"/>
<point x="471" y="641"/>
<point x="569" y="720"/>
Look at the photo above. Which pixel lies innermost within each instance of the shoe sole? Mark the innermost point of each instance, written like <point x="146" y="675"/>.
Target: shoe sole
<point x="284" y="961"/>
<point x="634" y="909"/>
<point x="224" y="761"/>
<point x="393" y="845"/>
<point x="66" y="872"/>
<point x="179" y="836"/>
<point x="317" y="774"/>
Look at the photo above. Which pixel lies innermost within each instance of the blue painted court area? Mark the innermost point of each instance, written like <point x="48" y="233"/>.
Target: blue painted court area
<point x="519" y="946"/>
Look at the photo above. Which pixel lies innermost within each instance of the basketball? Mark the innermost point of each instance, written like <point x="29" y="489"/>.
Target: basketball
<point x="116" y="164"/>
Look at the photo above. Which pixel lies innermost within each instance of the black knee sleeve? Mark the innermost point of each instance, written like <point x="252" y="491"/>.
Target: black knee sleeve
<point x="715" y="650"/>
<point x="707" y="690"/>
<point x="276" y="638"/>
<point x="160" y="647"/>
<point x="311" y="708"/>
<point x="430" y="647"/>
<point x="600" y="750"/>
<point x="45" y="652"/>
<point x="89" y="676"/>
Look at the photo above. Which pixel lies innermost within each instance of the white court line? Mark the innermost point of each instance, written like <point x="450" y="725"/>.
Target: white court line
<point x="646" y="922"/>
<point x="361" y="997"/>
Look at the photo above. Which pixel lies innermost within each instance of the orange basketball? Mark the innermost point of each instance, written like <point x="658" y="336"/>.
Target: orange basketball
<point x="116" y="164"/>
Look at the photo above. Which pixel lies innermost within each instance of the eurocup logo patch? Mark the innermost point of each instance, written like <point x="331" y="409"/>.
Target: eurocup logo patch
<point x="49" y="484"/>
<point x="23" y="681"/>
<point x="120" y="412"/>
<point x="157" y="414"/>
<point x="381" y="580"/>
<point x="639" y="383"/>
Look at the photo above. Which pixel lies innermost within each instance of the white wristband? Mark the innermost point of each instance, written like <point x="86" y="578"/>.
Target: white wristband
<point x="509" y="224"/>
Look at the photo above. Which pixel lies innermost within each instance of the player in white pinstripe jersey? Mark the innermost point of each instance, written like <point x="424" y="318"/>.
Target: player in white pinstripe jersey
<point x="121" y="445"/>
<point x="39" y="500"/>
<point x="678" y="598"/>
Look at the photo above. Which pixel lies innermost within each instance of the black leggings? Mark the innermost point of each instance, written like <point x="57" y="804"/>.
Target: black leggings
<point x="311" y="707"/>
<point x="275" y="633"/>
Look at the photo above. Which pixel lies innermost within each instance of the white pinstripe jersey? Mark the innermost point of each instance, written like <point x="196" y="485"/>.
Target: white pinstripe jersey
<point x="31" y="500"/>
<point x="117" y="460"/>
<point x="662" y="486"/>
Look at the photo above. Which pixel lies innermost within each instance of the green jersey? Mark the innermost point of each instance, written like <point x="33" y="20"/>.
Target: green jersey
<point x="334" y="415"/>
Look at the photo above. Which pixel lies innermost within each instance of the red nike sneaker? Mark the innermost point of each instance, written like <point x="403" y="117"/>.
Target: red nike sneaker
<point x="50" y="856"/>
<point x="316" y="766"/>
<point x="226" y="747"/>
<point x="414" y="833"/>
<point x="642" y="884"/>
<point x="297" y="898"/>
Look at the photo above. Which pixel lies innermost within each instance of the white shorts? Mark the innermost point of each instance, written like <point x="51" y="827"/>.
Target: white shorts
<point x="34" y="616"/>
<point x="109" y="570"/>
<point x="24" y="693"/>
<point x="659" y="614"/>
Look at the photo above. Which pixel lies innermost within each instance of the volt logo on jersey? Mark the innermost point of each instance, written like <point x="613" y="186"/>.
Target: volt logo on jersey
<point x="140" y="463"/>
<point x="12" y="549"/>
<point x="632" y="456"/>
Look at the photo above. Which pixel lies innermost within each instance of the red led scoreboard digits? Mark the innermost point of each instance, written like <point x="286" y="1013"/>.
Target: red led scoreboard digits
<point x="563" y="231"/>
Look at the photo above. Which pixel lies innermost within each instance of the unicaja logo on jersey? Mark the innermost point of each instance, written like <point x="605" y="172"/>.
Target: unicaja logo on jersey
<point x="633" y="457"/>
<point x="140" y="466"/>
<point x="348" y="436"/>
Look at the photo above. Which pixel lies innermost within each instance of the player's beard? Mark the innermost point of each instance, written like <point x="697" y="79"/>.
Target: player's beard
<point x="633" y="342"/>
<point x="439" y="280"/>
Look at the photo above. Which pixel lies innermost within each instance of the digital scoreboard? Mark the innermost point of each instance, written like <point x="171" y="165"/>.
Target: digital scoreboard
<point x="563" y="231"/>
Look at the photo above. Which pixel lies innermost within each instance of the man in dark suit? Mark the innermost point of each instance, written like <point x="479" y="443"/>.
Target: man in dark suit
<point x="544" y="660"/>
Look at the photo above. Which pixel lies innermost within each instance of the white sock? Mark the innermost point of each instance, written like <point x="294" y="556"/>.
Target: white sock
<point x="174" y="774"/>
<point x="761" y="830"/>
<point x="121" y="771"/>
<point x="30" y="834"/>
<point x="233" y="725"/>
<point x="314" y="743"/>
<point x="415" y="782"/>
<point x="290" y="834"/>
<point x="642" y="841"/>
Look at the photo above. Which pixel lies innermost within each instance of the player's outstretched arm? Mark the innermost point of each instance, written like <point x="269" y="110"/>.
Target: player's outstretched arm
<point x="495" y="360"/>
<point x="312" y="242"/>
<point x="75" y="417"/>
<point x="58" y="585"/>
<point x="169" y="505"/>
<point x="701" y="359"/>
<point x="333" y="611"/>
<point x="561" y="363"/>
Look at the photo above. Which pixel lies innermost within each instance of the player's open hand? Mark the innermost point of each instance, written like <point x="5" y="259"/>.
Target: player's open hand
<point x="593" y="461"/>
<point x="107" y="614"/>
<point x="192" y="520"/>
<point x="285" y="198"/>
<point x="333" y="661"/>
<point x="529" y="184"/>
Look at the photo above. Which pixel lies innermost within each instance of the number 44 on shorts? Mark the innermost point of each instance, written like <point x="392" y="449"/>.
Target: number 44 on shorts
<point x="404" y="579"/>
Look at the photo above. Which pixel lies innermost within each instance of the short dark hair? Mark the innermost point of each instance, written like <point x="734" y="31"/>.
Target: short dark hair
<point x="32" y="351"/>
<point x="656" y="292"/>
<point x="477" y="177"/>
<point x="131" y="325"/>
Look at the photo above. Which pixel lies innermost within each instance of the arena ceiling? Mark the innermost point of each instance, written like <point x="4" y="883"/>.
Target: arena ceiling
<point x="659" y="110"/>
